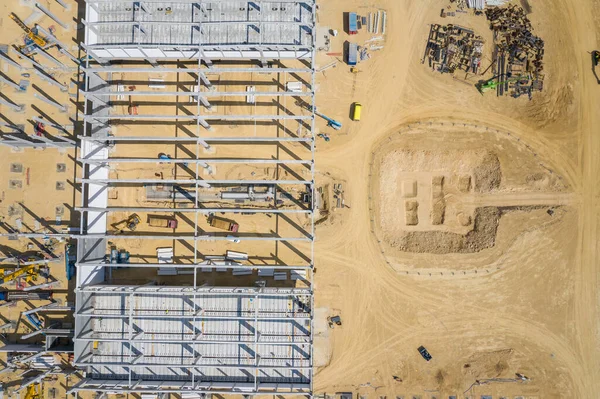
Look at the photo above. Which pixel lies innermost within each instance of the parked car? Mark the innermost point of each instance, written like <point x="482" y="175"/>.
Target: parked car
<point x="424" y="353"/>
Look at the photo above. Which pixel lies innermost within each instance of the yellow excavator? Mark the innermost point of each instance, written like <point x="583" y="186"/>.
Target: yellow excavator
<point x="37" y="39"/>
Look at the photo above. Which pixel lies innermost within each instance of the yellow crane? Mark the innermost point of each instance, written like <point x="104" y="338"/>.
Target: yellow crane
<point x="28" y="270"/>
<point x="37" y="39"/>
<point x="33" y="392"/>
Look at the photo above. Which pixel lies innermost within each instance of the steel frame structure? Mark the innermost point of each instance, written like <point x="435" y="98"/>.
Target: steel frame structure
<point x="146" y="334"/>
<point x="128" y="53"/>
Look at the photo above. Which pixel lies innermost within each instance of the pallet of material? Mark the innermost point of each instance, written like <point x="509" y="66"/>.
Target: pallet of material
<point x="233" y="255"/>
<point x="241" y="272"/>
<point x="298" y="274"/>
<point x="451" y="48"/>
<point x="280" y="276"/>
<point x="266" y="272"/>
<point x="166" y="271"/>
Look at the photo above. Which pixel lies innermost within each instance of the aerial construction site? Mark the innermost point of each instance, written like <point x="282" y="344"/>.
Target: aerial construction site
<point x="332" y="199"/>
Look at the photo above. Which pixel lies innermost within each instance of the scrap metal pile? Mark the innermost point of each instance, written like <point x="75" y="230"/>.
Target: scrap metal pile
<point x="452" y="47"/>
<point x="518" y="52"/>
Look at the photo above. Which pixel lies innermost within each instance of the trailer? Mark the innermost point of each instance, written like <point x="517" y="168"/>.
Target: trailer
<point x="9" y="296"/>
<point x="352" y="57"/>
<point x="352" y="23"/>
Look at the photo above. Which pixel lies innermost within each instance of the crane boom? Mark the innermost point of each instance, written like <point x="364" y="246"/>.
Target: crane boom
<point x="37" y="39"/>
<point x="17" y="273"/>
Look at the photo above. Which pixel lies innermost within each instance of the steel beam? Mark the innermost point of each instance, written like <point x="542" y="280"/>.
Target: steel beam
<point x="199" y="161"/>
<point x="253" y="237"/>
<point x="54" y="125"/>
<point x="199" y="2"/>
<point x="167" y="387"/>
<point x="163" y="70"/>
<point x="13" y="106"/>
<point x="163" y="315"/>
<point x="198" y="366"/>
<point x="49" y="79"/>
<point x="195" y="341"/>
<point x="193" y="210"/>
<point x="144" y="24"/>
<point x="195" y="139"/>
<point x="189" y="181"/>
<point x="197" y="117"/>
<point x="192" y="266"/>
<point x="60" y="107"/>
<point x="204" y="94"/>
<point x="187" y="291"/>
<point x="12" y="62"/>
<point x="51" y="15"/>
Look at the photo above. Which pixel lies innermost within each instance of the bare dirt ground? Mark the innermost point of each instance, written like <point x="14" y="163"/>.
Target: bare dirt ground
<point x="526" y="301"/>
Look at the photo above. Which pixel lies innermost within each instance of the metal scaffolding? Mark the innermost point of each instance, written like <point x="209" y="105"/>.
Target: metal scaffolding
<point x="246" y="65"/>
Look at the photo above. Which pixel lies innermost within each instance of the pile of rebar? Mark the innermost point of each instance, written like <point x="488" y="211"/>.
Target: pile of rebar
<point x="518" y="52"/>
<point x="452" y="48"/>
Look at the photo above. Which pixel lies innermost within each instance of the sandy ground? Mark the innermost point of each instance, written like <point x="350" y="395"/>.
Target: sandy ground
<point x="528" y="303"/>
<point x="525" y="302"/>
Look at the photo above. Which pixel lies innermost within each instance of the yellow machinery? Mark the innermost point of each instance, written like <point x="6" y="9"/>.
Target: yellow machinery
<point x="28" y="271"/>
<point x="37" y="39"/>
<point x="33" y="392"/>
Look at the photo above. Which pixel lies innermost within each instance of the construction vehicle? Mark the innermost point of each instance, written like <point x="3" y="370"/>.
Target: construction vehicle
<point x="26" y="271"/>
<point x="222" y="223"/>
<point x="595" y="62"/>
<point x="356" y="111"/>
<point x="10" y="296"/>
<point x="161" y="221"/>
<point x="355" y="70"/>
<point x="31" y="34"/>
<point x="334" y="320"/>
<point x="130" y="223"/>
<point x="330" y="122"/>
<point x="324" y="136"/>
<point x="33" y="392"/>
<point x="494" y="82"/>
<point x="132" y="109"/>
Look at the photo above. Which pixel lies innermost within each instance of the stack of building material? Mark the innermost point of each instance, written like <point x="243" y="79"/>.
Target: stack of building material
<point x="242" y="272"/>
<point x="298" y="274"/>
<point x="453" y="47"/>
<point x="165" y="255"/>
<point x="280" y="276"/>
<point x="476" y="4"/>
<point x="266" y="272"/>
<point x="519" y="52"/>
<point x="481" y="4"/>
<point x="43" y="362"/>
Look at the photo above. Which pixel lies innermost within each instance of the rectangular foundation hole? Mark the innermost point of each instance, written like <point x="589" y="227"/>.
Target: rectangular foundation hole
<point x="61" y="167"/>
<point x="16" y="168"/>
<point x="60" y="185"/>
<point x="15" y="184"/>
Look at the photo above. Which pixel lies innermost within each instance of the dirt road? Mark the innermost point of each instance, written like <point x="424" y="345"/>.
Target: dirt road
<point x="535" y="311"/>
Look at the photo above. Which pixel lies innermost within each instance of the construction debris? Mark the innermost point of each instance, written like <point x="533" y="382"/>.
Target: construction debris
<point x="452" y="47"/>
<point x="517" y="51"/>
